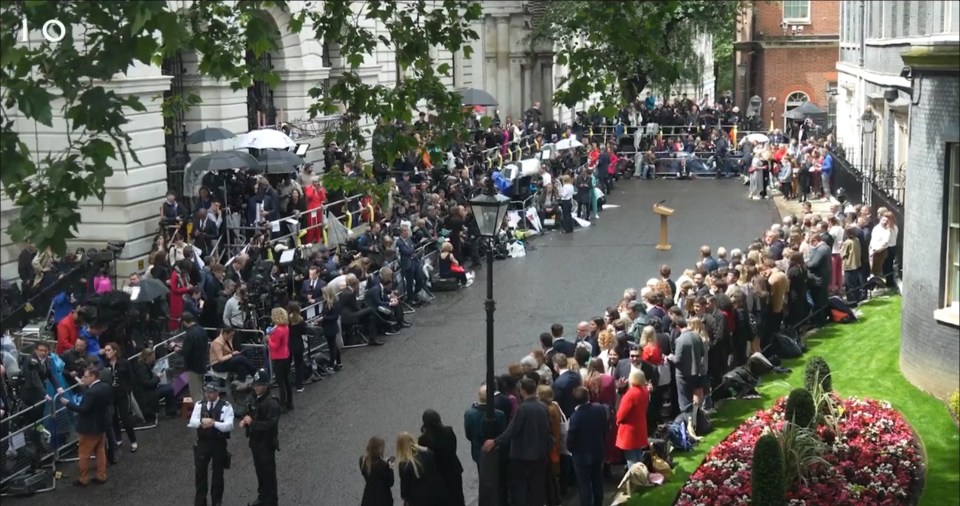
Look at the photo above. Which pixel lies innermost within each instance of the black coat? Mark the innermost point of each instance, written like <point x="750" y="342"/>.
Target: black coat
<point x="94" y="410"/>
<point x="295" y="342"/>
<point x="376" y="490"/>
<point x="427" y="489"/>
<point x="444" y="447"/>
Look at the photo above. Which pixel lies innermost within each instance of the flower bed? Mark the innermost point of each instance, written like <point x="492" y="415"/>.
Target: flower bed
<point x="874" y="459"/>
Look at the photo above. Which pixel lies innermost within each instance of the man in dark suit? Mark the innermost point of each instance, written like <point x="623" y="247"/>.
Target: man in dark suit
<point x="351" y="313"/>
<point x="561" y="344"/>
<point x="586" y="440"/>
<point x="528" y="435"/>
<point x="204" y="232"/>
<point x="408" y="265"/>
<point x="93" y="413"/>
<point x="311" y="291"/>
<point x="624" y="367"/>
<point x="564" y="385"/>
<point x="820" y="273"/>
<point x="387" y="307"/>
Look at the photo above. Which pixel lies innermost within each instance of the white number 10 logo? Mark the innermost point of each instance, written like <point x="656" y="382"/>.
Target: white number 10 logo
<point x="52" y="31"/>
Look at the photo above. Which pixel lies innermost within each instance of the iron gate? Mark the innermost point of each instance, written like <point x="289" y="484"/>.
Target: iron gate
<point x="260" y="108"/>
<point x="174" y="126"/>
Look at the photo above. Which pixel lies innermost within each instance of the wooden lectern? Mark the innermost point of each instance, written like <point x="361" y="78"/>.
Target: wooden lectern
<point x="663" y="211"/>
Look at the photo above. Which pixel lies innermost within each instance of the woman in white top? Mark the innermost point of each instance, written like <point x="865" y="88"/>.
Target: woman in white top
<point x="879" y="242"/>
<point x="566" y="203"/>
<point x="888" y="270"/>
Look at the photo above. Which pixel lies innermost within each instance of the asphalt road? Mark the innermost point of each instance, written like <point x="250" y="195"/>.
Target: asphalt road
<point x="439" y="363"/>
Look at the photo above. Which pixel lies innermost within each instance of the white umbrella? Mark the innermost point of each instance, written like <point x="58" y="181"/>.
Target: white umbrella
<point x="265" y="139"/>
<point x="568" y="143"/>
<point x="758" y="138"/>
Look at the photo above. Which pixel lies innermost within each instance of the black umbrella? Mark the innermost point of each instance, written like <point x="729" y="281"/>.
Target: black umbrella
<point x="150" y="290"/>
<point x="279" y="162"/>
<point x="224" y="160"/>
<point x="473" y="96"/>
<point x="209" y="134"/>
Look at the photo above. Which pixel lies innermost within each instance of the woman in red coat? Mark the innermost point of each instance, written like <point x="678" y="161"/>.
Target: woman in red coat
<point x="179" y="286"/>
<point x="315" y="195"/>
<point x="632" y="419"/>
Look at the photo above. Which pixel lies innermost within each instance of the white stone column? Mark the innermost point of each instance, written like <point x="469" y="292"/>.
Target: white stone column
<point x="503" y="64"/>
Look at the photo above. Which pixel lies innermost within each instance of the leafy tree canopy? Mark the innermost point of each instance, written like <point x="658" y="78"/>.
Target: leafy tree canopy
<point x="613" y="50"/>
<point x="104" y="38"/>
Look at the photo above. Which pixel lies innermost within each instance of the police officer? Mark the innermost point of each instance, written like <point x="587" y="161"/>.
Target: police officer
<point x="213" y="419"/>
<point x="261" y="423"/>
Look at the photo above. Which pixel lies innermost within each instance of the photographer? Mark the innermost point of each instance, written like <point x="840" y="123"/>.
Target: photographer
<point x="233" y="309"/>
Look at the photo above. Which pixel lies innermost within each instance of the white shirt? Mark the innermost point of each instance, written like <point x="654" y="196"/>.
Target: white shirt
<point x="567" y="191"/>
<point x="879" y="238"/>
<point x="894" y="232"/>
<point x="837" y="234"/>
<point x="547" y="178"/>
<point x="225" y="424"/>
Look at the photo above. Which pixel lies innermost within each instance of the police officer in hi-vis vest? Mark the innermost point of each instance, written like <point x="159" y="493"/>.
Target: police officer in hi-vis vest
<point x="213" y="419"/>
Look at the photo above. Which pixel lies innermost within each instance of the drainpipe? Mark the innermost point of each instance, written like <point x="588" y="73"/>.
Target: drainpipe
<point x="863" y="30"/>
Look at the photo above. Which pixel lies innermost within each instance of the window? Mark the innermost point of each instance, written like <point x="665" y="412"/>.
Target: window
<point x="794" y="100"/>
<point x="951" y="293"/>
<point x="796" y="11"/>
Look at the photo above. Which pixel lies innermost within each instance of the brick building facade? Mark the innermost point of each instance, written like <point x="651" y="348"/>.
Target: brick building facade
<point x="786" y="53"/>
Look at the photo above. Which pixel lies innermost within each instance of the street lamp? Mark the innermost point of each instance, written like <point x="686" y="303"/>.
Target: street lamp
<point x="868" y="122"/>
<point x="489" y="210"/>
<point x="742" y="72"/>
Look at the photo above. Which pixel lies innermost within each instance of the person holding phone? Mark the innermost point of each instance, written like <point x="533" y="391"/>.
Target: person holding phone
<point x="378" y="475"/>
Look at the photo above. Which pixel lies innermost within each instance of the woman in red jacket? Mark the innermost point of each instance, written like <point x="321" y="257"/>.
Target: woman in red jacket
<point x="179" y="286"/>
<point x="315" y="195"/>
<point x="632" y="419"/>
<point x="278" y="341"/>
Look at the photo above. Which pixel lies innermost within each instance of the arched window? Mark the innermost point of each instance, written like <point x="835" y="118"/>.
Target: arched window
<point x="794" y="100"/>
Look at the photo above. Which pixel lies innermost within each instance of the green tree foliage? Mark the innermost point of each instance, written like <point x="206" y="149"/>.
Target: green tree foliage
<point x="104" y="38"/>
<point x="723" y="61"/>
<point x="615" y="49"/>
<point x="767" y="484"/>
<point x="800" y="408"/>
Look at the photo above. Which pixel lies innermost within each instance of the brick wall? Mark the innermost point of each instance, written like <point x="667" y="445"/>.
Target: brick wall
<point x="824" y="18"/>
<point x="929" y="350"/>
<point x="783" y="71"/>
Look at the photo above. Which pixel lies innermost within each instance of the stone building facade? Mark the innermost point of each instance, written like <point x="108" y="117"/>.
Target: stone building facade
<point x="785" y="54"/>
<point x="900" y="61"/>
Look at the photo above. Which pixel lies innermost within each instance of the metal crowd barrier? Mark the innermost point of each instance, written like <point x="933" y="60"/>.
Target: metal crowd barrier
<point x="16" y="457"/>
<point x="58" y="434"/>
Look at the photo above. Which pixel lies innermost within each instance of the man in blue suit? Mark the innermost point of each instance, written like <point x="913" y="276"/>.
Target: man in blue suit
<point x="586" y="440"/>
<point x="567" y="381"/>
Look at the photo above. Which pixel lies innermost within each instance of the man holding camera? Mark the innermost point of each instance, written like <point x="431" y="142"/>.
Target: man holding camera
<point x="386" y="301"/>
<point x="262" y="422"/>
<point x="213" y="419"/>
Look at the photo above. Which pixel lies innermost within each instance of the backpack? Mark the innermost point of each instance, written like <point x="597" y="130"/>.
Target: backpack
<point x="840" y="312"/>
<point x="677" y="435"/>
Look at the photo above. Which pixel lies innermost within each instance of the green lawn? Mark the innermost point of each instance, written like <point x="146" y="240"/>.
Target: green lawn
<point x="864" y="360"/>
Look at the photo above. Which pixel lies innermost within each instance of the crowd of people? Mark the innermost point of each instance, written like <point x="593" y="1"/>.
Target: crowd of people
<point x="678" y="337"/>
<point x="581" y="402"/>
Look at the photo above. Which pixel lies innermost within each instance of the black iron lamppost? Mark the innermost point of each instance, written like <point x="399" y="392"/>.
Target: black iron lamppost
<point x="742" y="73"/>
<point x="489" y="209"/>
<point x="868" y="121"/>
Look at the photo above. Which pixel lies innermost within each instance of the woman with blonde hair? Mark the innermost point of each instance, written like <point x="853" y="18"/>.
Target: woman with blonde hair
<point x="450" y="267"/>
<point x="545" y="395"/>
<point x="632" y="419"/>
<point x="420" y="480"/>
<point x="567" y="192"/>
<point x="278" y="341"/>
<point x="377" y="475"/>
